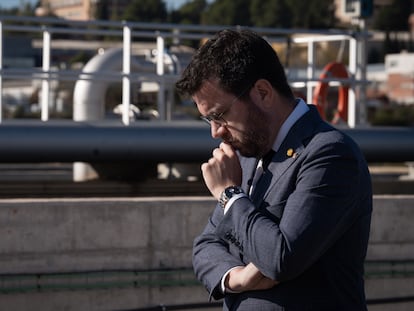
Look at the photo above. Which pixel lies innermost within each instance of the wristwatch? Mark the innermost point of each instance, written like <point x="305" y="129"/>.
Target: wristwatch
<point x="228" y="193"/>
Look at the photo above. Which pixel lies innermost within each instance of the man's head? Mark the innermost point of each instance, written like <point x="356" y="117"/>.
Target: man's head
<point x="236" y="59"/>
<point x="239" y="85"/>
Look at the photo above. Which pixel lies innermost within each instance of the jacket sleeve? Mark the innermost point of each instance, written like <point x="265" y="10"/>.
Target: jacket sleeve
<point x="212" y="257"/>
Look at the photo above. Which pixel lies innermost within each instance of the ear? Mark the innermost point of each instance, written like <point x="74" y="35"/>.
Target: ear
<point x="264" y="93"/>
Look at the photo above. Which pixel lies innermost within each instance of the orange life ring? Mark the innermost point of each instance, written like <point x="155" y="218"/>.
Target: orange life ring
<point x="320" y="94"/>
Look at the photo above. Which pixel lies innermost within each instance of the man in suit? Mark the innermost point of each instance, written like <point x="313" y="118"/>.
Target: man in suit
<point x="291" y="226"/>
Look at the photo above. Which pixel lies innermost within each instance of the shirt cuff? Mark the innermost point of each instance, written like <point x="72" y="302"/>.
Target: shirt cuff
<point x="225" y="290"/>
<point x="232" y="200"/>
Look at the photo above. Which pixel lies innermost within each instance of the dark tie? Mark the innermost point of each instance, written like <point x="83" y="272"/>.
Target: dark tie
<point x="267" y="159"/>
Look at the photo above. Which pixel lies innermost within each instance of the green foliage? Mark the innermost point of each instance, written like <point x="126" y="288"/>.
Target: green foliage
<point x="189" y="13"/>
<point x="227" y="12"/>
<point x="102" y="10"/>
<point x="146" y="11"/>
<point x="394" y="17"/>
<point x="260" y="13"/>
<point x="270" y="13"/>
<point x="311" y="13"/>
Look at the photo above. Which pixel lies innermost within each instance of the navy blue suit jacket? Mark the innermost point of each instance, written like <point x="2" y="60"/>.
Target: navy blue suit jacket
<point x="306" y="225"/>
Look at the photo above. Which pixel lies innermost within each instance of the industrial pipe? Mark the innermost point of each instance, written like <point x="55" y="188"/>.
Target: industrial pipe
<point x="152" y="141"/>
<point x="106" y="141"/>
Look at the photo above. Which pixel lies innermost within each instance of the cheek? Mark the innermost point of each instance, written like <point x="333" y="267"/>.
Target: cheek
<point x="256" y="119"/>
<point x="257" y="127"/>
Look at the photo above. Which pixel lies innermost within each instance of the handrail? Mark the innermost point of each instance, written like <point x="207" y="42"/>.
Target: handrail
<point x="169" y="27"/>
<point x="127" y="31"/>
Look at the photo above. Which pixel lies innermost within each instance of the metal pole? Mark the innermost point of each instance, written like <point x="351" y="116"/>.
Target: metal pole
<point x="45" y="81"/>
<point x="362" y="73"/>
<point x="310" y="70"/>
<point x="1" y="74"/>
<point x="176" y="36"/>
<point x="351" y="92"/>
<point x="126" y="69"/>
<point x="160" y="72"/>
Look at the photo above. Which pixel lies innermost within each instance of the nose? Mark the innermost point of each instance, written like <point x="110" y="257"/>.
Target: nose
<point x="216" y="129"/>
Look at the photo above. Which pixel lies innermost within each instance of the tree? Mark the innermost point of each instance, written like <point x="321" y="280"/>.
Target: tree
<point x="312" y="13"/>
<point x="394" y="17"/>
<point x="189" y="13"/>
<point x="270" y="13"/>
<point x="102" y="10"/>
<point x="227" y="12"/>
<point x="391" y="19"/>
<point x="146" y="11"/>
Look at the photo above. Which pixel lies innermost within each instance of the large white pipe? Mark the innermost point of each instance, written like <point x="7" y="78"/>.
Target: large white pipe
<point x="90" y="89"/>
<point x="105" y="68"/>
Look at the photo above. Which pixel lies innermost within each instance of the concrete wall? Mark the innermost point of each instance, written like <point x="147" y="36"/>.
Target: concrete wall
<point x="50" y="235"/>
<point x="44" y="236"/>
<point x="391" y="239"/>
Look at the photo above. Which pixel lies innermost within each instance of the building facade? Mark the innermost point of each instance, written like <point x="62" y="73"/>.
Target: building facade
<point x="82" y="10"/>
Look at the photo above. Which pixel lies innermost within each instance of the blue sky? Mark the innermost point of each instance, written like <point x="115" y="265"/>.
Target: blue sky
<point x="14" y="3"/>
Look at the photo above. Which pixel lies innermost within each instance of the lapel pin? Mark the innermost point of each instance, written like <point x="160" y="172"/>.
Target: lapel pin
<point x="291" y="153"/>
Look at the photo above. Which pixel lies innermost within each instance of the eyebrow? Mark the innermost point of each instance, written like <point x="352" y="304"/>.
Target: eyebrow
<point x="214" y="112"/>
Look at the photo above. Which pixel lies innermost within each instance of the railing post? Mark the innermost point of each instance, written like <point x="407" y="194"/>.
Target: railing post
<point x="160" y="73"/>
<point x="176" y="36"/>
<point x="352" y="90"/>
<point x="362" y="73"/>
<point x="46" y="72"/>
<point x="1" y="71"/>
<point x="126" y="79"/>
<point x="310" y="71"/>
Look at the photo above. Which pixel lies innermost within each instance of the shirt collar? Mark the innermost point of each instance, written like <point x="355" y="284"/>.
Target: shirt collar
<point x="300" y="109"/>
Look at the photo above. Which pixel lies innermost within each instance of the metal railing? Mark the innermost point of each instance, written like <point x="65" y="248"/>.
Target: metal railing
<point x="127" y="32"/>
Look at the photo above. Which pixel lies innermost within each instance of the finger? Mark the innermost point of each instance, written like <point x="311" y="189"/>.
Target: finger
<point x="218" y="153"/>
<point x="228" y="149"/>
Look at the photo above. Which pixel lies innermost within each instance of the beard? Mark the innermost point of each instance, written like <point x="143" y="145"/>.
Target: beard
<point x="253" y="141"/>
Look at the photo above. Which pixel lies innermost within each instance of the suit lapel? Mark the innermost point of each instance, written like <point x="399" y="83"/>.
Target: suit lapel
<point x="281" y="161"/>
<point x="290" y="150"/>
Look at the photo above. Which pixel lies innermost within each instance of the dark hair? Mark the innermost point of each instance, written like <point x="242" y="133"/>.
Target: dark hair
<point x="237" y="58"/>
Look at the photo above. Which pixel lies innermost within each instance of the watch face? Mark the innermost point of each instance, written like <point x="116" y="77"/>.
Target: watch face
<point x="228" y="193"/>
<point x="232" y="190"/>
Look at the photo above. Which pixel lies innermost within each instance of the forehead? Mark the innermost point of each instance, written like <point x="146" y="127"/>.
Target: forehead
<point x="210" y="95"/>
